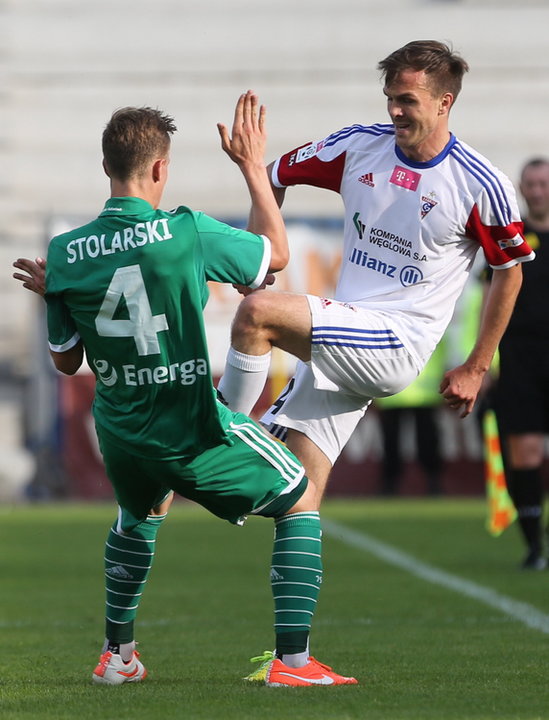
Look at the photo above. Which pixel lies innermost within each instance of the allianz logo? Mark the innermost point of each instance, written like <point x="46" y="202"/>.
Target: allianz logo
<point x="184" y="373"/>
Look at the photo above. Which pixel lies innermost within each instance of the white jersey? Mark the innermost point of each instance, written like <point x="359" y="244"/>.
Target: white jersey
<point x="412" y="229"/>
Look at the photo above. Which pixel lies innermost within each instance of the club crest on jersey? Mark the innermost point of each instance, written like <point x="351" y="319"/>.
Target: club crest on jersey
<point x="405" y="178"/>
<point x="510" y="242"/>
<point x="367" y="179"/>
<point x="428" y="202"/>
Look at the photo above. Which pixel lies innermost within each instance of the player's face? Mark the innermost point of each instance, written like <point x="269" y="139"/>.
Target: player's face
<point x="534" y="186"/>
<point x="420" y="116"/>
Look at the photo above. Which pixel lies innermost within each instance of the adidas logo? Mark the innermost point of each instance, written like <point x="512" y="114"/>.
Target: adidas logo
<point x="118" y="571"/>
<point x="275" y="575"/>
<point x="367" y="179"/>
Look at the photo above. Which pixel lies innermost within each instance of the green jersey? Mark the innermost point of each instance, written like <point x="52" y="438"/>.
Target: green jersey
<point x="132" y="286"/>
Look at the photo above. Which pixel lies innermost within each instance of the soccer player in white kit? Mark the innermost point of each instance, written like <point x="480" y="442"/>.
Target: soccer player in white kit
<point x="419" y="203"/>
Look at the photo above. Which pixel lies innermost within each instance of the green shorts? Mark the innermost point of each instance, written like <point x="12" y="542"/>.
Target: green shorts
<point x="255" y="475"/>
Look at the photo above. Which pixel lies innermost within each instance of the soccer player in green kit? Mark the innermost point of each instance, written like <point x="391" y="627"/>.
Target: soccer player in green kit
<point x="128" y="290"/>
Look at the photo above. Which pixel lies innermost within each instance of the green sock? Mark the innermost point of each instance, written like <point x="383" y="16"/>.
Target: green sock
<point x="128" y="560"/>
<point x="296" y="576"/>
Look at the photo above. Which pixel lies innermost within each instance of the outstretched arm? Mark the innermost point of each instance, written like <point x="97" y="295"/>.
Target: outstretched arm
<point x="246" y="147"/>
<point x="461" y="385"/>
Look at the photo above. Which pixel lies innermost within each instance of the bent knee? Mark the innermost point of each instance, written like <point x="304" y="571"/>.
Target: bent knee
<point x="308" y="502"/>
<point x="252" y="313"/>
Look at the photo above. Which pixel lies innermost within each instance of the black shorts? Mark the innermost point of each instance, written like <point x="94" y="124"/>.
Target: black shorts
<point x="522" y="396"/>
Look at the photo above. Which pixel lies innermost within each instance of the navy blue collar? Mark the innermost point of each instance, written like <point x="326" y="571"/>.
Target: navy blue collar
<point x="430" y="163"/>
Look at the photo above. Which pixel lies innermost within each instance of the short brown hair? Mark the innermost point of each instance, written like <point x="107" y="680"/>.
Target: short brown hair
<point x="133" y="137"/>
<point x="444" y="67"/>
<point x="535" y="162"/>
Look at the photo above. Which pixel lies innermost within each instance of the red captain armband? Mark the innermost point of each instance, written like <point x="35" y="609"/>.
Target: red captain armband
<point x="501" y="244"/>
<point x="303" y="167"/>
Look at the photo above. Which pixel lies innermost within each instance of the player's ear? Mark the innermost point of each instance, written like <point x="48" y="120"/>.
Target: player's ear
<point x="105" y="168"/>
<point x="159" y="169"/>
<point x="446" y="102"/>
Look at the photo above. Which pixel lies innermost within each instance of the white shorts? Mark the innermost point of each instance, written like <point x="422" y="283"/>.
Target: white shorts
<point x="355" y="357"/>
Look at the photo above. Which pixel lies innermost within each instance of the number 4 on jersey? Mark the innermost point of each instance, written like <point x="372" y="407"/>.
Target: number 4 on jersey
<point x="142" y="325"/>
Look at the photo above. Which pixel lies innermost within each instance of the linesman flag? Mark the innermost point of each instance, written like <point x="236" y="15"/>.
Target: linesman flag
<point x="501" y="511"/>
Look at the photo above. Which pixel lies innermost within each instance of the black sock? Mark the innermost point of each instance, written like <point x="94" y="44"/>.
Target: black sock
<point x="526" y="490"/>
<point x="290" y="643"/>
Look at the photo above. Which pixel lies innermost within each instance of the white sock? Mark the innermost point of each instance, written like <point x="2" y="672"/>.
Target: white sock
<point x="126" y="651"/>
<point x="296" y="660"/>
<point x="244" y="379"/>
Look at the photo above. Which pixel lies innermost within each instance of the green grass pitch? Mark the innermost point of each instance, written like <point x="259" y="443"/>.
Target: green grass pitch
<point x="419" y="649"/>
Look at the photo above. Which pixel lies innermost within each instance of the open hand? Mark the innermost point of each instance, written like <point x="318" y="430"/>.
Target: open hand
<point x="35" y="274"/>
<point x="247" y="144"/>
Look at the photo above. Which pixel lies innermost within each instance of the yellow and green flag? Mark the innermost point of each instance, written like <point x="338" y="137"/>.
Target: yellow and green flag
<point x="501" y="511"/>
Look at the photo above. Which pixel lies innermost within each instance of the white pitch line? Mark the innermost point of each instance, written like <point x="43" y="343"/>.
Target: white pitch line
<point x="520" y="611"/>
